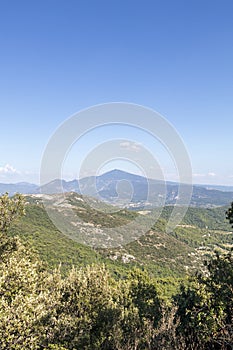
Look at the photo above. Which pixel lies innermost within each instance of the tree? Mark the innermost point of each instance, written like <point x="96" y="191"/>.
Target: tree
<point x="205" y="307"/>
<point x="229" y="214"/>
<point x="141" y="312"/>
<point x="10" y="209"/>
<point x="21" y="296"/>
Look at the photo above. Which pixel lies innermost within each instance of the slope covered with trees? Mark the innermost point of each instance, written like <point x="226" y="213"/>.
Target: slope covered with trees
<point x="89" y="309"/>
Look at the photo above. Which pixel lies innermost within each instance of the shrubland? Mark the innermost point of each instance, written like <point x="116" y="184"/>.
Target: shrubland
<point x="89" y="308"/>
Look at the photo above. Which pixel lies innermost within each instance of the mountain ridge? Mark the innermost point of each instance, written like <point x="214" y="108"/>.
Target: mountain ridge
<point x="126" y="189"/>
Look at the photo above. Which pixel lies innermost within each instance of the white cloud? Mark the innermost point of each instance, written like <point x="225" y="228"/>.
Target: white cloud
<point x="125" y="144"/>
<point x="8" y="169"/>
<point x="211" y="174"/>
<point x="198" y="175"/>
<point x="131" y="146"/>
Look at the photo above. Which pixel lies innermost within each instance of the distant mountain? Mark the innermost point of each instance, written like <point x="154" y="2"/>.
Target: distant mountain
<point x="59" y="186"/>
<point x="20" y="187"/>
<point x="128" y="190"/>
<point x="119" y="187"/>
<point x="134" y="192"/>
<point x="205" y="197"/>
<point x="218" y="187"/>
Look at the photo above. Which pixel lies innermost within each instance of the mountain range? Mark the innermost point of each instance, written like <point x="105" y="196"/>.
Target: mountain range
<point x="128" y="190"/>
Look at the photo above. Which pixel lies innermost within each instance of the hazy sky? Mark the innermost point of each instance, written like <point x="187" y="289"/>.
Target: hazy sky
<point x="60" y="56"/>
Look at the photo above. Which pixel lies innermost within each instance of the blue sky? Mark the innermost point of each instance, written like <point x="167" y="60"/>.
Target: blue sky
<point x="60" y="56"/>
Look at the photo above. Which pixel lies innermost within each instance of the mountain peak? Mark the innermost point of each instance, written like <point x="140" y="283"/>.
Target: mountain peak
<point x="119" y="175"/>
<point x="116" y="171"/>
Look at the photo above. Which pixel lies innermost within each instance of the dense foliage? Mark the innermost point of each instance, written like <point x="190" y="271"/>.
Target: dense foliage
<point x="88" y="309"/>
<point x="205" y="307"/>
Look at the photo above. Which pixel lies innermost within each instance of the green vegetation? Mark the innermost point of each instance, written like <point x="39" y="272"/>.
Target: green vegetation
<point x="53" y="247"/>
<point x="201" y="232"/>
<point x="10" y="209"/>
<point x="113" y="306"/>
<point x="205" y="307"/>
<point x="167" y="257"/>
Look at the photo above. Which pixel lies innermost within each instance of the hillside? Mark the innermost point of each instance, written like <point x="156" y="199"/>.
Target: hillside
<point x="201" y="232"/>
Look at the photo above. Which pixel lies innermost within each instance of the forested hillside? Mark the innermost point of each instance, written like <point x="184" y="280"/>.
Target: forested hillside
<point x="164" y="254"/>
<point x="89" y="307"/>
